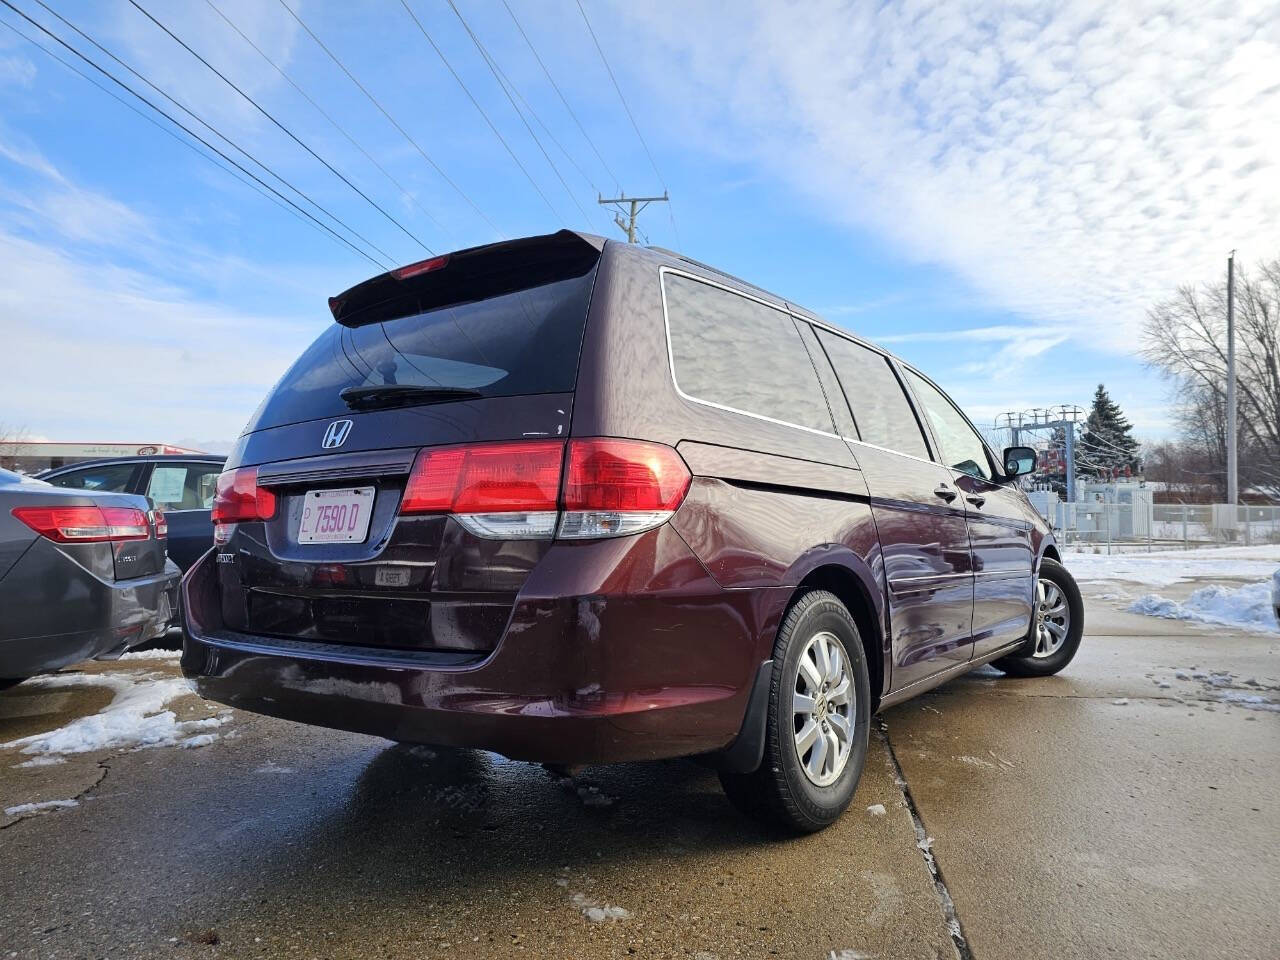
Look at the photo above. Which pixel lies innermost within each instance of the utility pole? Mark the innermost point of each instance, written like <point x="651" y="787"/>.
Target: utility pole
<point x="637" y="204"/>
<point x="1233" y="478"/>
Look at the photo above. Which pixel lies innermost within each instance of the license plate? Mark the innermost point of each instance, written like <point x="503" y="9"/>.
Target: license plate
<point x="336" y="516"/>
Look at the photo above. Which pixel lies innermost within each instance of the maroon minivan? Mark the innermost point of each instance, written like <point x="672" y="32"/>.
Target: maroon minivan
<point x="578" y="501"/>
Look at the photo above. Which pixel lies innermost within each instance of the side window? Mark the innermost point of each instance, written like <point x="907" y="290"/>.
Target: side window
<point x="830" y="385"/>
<point x="111" y="478"/>
<point x="738" y="353"/>
<point x="962" y="448"/>
<point x="183" y="486"/>
<point x="880" y="406"/>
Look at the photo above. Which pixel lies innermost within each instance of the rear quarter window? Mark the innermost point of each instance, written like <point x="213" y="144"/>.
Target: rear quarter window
<point x="735" y="352"/>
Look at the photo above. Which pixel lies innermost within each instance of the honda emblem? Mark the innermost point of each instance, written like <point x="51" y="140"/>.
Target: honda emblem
<point x="335" y="435"/>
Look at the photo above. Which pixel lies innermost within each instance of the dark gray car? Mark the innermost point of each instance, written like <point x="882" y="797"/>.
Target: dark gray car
<point x="82" y="575"/>
<point x="181" y="485"/>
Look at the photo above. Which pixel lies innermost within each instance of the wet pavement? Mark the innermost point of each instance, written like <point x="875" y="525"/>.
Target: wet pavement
<point x="1093" y="814"/>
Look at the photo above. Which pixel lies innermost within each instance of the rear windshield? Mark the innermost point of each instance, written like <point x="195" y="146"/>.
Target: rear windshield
<point x="510" y="345"/>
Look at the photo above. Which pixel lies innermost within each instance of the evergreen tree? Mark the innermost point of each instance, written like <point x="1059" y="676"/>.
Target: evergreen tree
<point x="1107" y="442"/>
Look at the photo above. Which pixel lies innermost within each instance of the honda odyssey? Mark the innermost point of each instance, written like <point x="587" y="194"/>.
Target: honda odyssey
<point x="577" y="501"/>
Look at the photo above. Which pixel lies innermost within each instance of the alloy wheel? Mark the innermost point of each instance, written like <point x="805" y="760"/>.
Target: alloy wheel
<point x="1052" y="618"/>
<point x="822" y="705"/>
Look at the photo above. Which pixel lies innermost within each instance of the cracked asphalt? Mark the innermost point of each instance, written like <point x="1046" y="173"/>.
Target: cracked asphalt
<point x="1093" y="814"/>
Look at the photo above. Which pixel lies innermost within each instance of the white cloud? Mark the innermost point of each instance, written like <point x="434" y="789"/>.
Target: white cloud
<point x="1074" y="161"/>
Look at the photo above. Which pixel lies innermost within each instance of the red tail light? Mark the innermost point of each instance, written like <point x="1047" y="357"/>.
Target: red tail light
<point x="238" y="498"/>
<point x="85" y="524"/>
<point x="513" y="490"/>
<point x="616" y="487"/>
<point x="159" y="523"/>
<point x="485" y="478"/>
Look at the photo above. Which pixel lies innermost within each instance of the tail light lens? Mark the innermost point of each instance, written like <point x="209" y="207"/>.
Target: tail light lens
<point x="616" y="487"/>
<point x="85" y="524"/>
<point x="496" y="490"/>
<point x="159" y="523"/>
<point x="237" y="498"/>
<point x="514" y="490"/>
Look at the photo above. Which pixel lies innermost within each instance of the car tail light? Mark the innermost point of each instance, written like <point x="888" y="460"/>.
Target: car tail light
<point x="237" y="498"/>
<point x="617" y="487"/>
<point x="496" y="490"/>
<point x="159" y="523"/>
<point x="85" y="524"/>
<point x="506" y="491"/>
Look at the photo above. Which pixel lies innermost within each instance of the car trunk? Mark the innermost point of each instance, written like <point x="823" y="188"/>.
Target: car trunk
<point x="507" y="343"/>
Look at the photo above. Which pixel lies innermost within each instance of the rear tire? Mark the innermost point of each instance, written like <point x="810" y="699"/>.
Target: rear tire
<point x="818" y="721"/>
<point x="1057" y="625"/>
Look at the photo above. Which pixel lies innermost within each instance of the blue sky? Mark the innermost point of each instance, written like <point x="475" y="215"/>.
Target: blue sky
<point x="998" y="193"/>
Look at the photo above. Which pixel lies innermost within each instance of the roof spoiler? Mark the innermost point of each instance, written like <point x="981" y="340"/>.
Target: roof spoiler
<point x="466" y="276"/>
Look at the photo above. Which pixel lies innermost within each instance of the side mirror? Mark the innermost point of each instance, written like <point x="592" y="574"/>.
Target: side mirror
<point x="1019" y="461"/>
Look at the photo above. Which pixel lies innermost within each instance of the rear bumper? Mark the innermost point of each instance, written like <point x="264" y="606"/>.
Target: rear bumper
<point x="80" y="617"/>
<point x="616" y="650"/>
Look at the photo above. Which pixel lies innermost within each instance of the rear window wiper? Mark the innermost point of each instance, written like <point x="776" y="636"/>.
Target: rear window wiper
<point x="402" y="395"/>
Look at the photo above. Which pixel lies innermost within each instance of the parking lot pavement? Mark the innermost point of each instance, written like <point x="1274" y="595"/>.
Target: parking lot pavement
<point x="1093" y="814"/>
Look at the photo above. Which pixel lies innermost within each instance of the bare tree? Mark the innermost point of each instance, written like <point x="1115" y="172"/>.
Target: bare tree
<point x="1185" y="338"/>
<point x="10" y="437"/>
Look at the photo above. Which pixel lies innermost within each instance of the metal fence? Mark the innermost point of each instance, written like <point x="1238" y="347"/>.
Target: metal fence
<point x="1142" y="525"/>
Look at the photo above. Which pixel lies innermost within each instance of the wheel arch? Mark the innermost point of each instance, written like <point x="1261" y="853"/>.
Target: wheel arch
<point x="853" y="591"/>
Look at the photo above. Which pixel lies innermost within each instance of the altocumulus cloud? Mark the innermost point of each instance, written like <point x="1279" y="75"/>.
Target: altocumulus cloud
<point x="1072" y="161"/>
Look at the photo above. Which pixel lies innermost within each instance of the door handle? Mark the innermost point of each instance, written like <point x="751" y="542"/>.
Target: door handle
<point x="945" y="492"/>
<point x="976" y="500"/>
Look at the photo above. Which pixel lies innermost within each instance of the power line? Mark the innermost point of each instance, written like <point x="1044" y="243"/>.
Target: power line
<point x="191" y="133"/>
<point x="476" y="104"/>
<point x="152" y="120"/>
<point x="505" y="83"/>
<point x="635" y="126"/>
<point x="556" y="87"/>
<point x="334" y="123"/>
<point x="292" y="136"/>
<point x="390" y="119"/>
<point x="208" y="126"/>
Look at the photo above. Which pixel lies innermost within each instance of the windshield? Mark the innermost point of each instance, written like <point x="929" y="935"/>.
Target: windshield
<point x="515" y="344"/>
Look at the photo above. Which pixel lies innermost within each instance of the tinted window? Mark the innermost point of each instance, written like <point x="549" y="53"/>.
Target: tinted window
<point x="511" y="345"/>
<point x="112" y="478"/>
<point x="183" y="486"/>
<point x="879" y="404"/>
<point x="830" y="385"/>
<point x="741" y="354"/>
<point x="961" y="447"/>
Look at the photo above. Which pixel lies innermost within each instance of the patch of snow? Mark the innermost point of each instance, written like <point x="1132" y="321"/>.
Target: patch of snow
<point x="1250" y="701"/>
<point x="597" y="912"/>
<point x="976" y="762"/>
<point x="847" y="954"/>
<point x="1248" y="606"/>
<point x="165" y="655"/>
<point x="200" y="740"/>
<point x="40" y="762"/>
<point x="926" y="844"/>
<point x="42" y="807"/>
<point x="1161" y="568"/>
<point x="877" y="810"/>
<point x="135" y="718"/>
<point x="1121" y="702"/>
<point x="272" y="767"/>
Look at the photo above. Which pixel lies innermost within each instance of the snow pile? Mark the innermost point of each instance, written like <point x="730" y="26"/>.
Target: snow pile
<point x="877" y="810"/>
<point x="136" y="716"/>
<point x="45" y="806"/>
<point x="1161" y="568"/>
<point x="1248" y="606"/>
<point x="169" y="656"/>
